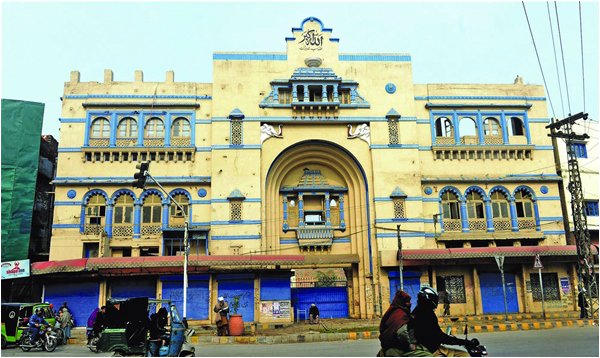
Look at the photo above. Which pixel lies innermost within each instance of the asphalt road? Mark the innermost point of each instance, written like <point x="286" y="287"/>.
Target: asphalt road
<point x="557" y="342"/>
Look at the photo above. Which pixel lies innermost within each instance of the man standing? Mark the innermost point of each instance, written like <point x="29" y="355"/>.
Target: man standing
<point x="313" y="314"/>
<point x="222" y="310"/>
<point x="445" y="298"/>
<point x="65" y="323"/>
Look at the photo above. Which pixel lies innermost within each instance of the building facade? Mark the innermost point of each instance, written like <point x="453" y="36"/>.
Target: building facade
<point x="297" y="170"/>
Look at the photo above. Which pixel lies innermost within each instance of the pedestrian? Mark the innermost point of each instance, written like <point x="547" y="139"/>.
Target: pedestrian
<point x="445" y="298"/>
<point x="66" y="322"/>
<point x="157" y="331"/>
<point x="313" y="314"/>
<point x="393" y="330"/>
<point x="222" y="310"/>
<point x="424" y="323"/>
<point x="582" y="302"/>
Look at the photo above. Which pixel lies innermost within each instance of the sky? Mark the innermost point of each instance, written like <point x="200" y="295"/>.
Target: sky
<point x="449" y="42"/>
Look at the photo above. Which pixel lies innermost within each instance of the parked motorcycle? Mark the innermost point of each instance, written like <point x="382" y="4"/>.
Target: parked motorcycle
<point x="47" y="340"/>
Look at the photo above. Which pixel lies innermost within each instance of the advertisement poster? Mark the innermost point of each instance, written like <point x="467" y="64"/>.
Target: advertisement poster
<point x="275" y="309"/>
<point x="15" y="269"/>
<point x="565" y="285"/>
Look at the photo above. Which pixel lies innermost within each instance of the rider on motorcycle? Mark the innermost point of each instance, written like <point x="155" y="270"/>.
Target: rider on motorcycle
<point x="35" y="321"/>
<point x="427" y="330"/>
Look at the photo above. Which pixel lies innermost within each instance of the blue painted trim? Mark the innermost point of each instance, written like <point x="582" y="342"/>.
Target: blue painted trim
<point x="543" y="147"/>
<point x="160" y="96"/>
<point x="527" y="130"/>
<point x="72" y="120"/>
<point x="240" y="237"/>
<point x="374" y="57"/>
<point x="311" y="18"/>
<point x="203" y="121"/>
<point x="539" y="120"/>
<point x="248" y="200"/>
<point x="67" y="203"/>
<point x="237" y="222"/>
<point x="404" y="234"/>
<point x="65" y="226"/>
<point x="288" y="241"/>
<point x="551" y="218"/>
<point x="548" y="198"/>
<point x="410" y="220"/>
<point x="236" y="147"/>
<point x="394" y="146"/>
<point x="503" y="98"/>
<point x="88" y="123"/>
<point x="200" y="202"/>
<point x="249" y="57"/>
<point x="554" y="232"/>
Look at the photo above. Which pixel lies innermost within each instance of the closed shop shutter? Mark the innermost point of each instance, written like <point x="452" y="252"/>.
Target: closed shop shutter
<point x="133" y="287"/>
<point x="198" y="301"/>
<point x="242" y="286"/>
<point x="81" y="297"/>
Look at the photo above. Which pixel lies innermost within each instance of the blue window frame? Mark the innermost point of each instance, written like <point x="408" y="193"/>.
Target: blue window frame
<point x="591" y="207"/>
<point x="580" y="150"/>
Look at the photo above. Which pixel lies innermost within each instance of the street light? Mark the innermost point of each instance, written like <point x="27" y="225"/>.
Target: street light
<point x="141" y="183"/>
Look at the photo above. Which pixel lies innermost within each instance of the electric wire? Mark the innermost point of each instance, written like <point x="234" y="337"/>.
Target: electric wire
<point x="562" y="104"/>
<point x="582" y="68"/>
<point x="538" y="58"/>
<point x="563" y="57"/>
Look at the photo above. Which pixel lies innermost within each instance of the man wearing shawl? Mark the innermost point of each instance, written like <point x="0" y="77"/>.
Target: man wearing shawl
<point x="396" y="340"/>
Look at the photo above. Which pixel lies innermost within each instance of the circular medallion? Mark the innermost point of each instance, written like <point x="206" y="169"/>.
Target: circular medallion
<point x="390" y="88"/>
<point x="428" y="191"/>
<point x="71" y="194"/>
<point x="202" y="193"/>
<point x="544" y="189"/>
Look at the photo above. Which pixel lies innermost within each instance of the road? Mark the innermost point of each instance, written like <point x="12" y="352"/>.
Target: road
<point x="557" y="342"/>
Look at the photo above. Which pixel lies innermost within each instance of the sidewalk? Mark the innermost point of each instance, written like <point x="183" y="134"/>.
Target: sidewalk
<point x="353" y="329"/>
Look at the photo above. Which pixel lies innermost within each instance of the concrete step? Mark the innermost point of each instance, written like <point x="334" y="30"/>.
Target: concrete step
<point x="511" y="317"/>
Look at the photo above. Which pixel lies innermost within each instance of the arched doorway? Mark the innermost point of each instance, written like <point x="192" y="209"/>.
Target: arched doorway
<point x="306" y="186"/>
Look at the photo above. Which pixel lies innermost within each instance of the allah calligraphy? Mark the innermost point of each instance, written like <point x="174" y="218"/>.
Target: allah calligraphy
<point x="311" y="40"/>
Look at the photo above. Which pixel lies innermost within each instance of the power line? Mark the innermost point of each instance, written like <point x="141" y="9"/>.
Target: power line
<point x="563" y="57"/>
<point x="555" y="61"/>
<point x="582" y="68"/>
<point x="538" y="58"/>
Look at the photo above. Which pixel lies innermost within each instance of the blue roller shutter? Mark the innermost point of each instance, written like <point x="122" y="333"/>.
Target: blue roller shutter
<point x="412" y="284"/>
<point x="331" y="301"/>
<point x="492" y="296"/>
<point x="81" y="297"/>
<point x="198" y="294"/>
<point x="241" y="285"/>
<point x="275" y="286"/>
<point x="133" y="287"/>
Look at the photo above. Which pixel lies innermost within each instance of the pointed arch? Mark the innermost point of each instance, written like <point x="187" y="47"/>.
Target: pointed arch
<point x="121" y="192"/>
<point x="452" y="189"/>
<point x="526" y="189"/>
<point x="92" y="192"/>
<point x="149" y="192"/>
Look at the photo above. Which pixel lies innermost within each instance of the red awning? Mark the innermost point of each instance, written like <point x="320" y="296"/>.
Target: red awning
<point x="477" y="252"/>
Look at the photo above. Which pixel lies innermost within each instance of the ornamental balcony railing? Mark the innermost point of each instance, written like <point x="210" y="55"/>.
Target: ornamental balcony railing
<point x="151" y="229"/>
<point x="477" y="225"/>
<point x="444" y="140"/>
<point x="526" y="224"/>
<point x="452" y="225"/>
<point x="93" y="229"/>
<point x="315" y="236"/>
<point x="469" y="139"/>
<point x="493" y="139"/>
<point x="99" y="142"/>
<point x="180" y="141"/>
<point x="502" y="225"/>
<point x="126" y="142"/>
<point x="154" y="142"/>
<point x="122" y="230"/>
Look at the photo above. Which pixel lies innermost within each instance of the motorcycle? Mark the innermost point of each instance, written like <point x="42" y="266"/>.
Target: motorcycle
<point x="474" y="351"/>
<point x="47" y="340"/>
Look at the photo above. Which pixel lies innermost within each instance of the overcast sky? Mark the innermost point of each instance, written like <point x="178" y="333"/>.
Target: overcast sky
<point x="449" y="42"/>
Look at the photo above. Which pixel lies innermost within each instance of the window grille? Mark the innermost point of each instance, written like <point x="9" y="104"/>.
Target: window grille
<point x="236" y="132"/>
<point x="393" y="130"/>
<point x="235" y="210"/>
<point x="550" y="283"/>
<point x="399" y="208"/>
<point x="454" y="286"/>
<point x="591" y="207"/>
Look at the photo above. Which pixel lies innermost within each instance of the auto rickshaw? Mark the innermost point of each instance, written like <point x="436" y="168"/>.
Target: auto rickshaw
<point x="126" y="331"/>
<point x="15" y="319"/>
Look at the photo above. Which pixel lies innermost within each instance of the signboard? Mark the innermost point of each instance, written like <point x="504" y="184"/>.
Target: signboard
<point x="15" y="269"/>
<point x="565" y="285"/>
<point x="538" y="263"/>
<point x="279" y="310"/>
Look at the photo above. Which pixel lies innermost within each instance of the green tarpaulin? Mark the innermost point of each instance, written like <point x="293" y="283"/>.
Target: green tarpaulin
<point x="21" y="132"/>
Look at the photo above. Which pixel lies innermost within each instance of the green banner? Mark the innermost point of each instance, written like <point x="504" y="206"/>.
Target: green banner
<point x="21" y="135"/>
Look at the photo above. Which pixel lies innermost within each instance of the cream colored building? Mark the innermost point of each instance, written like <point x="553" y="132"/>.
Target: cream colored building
<point x="296" y="169"/>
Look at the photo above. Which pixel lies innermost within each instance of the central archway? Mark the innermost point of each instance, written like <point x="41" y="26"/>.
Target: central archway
<point x="340" y="168"/>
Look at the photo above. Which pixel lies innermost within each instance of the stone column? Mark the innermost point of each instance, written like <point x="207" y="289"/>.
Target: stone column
<point x="108" y="218"/>
<point x="489" y="215"/>
<point x="137" y="219"/>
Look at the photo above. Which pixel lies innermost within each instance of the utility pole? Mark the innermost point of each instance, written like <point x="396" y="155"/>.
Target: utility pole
<point x="585" y="259"/>
<point x="400" y="271"/>
<point x="140" y="182"/>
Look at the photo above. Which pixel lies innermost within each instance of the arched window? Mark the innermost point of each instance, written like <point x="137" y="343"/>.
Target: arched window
<point x="151" y="211"/>
<point x="516" y="127"/>
<point x="123" y="210"/>
<point x="127" y="128"/>
<point x="183" y="200"/>
<point x="154" y="128"/>
<point x="468" y="131"/>
<point x="524" y="204"/>
<point x="500" y="212"/>
<point x="180" y="128"/>
<point x="475" y="208"/>
<point x="100" y="128"/>
<point x="95" y="212"/>
<point x="451" y="212"/>
<point x="443" y="127"/>
<point x="491" y="127"/>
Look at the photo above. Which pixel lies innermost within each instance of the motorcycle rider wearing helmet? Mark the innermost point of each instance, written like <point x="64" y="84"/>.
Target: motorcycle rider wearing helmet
<point x="427" y="330"/>
<point x="35" y="321"/>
